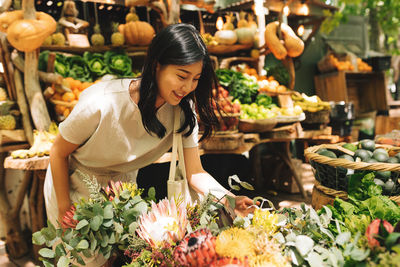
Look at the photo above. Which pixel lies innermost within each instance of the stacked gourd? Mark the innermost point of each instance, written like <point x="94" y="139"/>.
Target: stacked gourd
<point x="244" y="34"/>
<point x="136" y="32"/>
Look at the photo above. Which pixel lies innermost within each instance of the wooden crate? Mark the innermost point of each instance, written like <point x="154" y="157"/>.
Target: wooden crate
<point x="12" y="136"/>
<point x="366" y="90"/>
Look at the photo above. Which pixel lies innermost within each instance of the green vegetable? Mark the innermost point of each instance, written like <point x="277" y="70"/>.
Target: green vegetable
<point x="79" y="69"/>
<point x="43" y="58"/>
<point x="95" y="63"/>
<point x="118" y="63"/>
<point x="61" y="65"/>
<point x="280" y="73"/>
<point x="241" y="86"/>
<point x="264" y="100"/>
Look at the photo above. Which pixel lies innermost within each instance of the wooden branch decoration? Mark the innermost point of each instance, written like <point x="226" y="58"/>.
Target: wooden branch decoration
<point x="37" y="104"/>
<point x="46" y="77"/>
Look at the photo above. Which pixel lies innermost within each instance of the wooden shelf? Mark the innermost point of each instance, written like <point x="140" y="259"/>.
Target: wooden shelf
<point x="93" y="49"/>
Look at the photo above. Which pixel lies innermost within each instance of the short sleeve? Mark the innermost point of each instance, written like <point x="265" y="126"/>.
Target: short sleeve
<point x="193" y="139"/>
<point x="84" y="118"/>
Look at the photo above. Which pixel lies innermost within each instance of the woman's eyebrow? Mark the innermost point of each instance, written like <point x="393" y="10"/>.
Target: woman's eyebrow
<point x="186" y="71"/>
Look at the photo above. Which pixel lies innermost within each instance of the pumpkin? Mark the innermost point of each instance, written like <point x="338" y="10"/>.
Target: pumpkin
<point x="226" y="37"/>
<point x="137" y="32"/>
<point x="294" y="45"/>
<point x="9" y="17"/>
<point x="28" y="34"/>
<point x="272" y="41"/>
<point x="245" y="35"/>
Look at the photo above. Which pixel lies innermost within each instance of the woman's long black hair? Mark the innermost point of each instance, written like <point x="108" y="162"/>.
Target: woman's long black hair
<point x="178" y="44"/>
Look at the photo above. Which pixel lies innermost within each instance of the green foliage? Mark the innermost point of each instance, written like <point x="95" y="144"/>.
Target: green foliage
<point x="241" y="86"/>
<point x="280" y="73"/>
<point x="104" y="225"/>
<point x="387" y="15"/>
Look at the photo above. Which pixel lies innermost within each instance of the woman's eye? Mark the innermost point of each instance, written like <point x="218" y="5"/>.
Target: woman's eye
<point x="181" y="77"/>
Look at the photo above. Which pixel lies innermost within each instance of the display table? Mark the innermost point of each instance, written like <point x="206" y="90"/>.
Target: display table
<point x="35" y="172"/>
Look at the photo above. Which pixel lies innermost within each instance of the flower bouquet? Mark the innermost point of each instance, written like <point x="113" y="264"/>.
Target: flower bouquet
<point x="116" y="219"/>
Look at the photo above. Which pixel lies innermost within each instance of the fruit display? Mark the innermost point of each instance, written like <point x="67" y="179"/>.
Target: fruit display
<point x="137" y="32"/>
<point x="362" y="65"/>
<point x="117" y="38"/>
<point x="42" y="142"/>
<point x="310" y="103"/>
<point x="65" y="97"/>
<point x="392" y="138"/>
<point x="367" y="151"/>
<point x="228" y="114"/>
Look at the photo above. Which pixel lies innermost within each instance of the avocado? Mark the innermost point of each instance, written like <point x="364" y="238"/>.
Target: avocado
<point x="363" y="154"/>
<point x="346" y="156"/>
<point x="392" y="160"/>
<point x="321" y="150"/>
<point x="389" y="186"/>
<point x="371" y="160"/>
<point x="383" y="175"/>
<point x="368" y="144"/>
<point x="350" y="147"/>
<point x="379" y="182"/>
<point x="381" y="155"/>
<point x="328" y="153"/>
<point x="398" y="156"/>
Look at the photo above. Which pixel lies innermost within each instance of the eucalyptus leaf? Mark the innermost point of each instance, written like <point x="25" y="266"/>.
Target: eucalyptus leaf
<point x="343" y="238"/>
<point x="81" y="224"/>
<point x="87" y="253"/>
<point x="132" y="227"/>
<point x="151" y="193"/>
<point x="107" y="223"/>
<point x="48" y="233"/>
<point x="85" y="230"/>
<point x="60" y="251"/>
<point x="96" y="222"/>
<point x="358" y="254"/>
<point x="304" y="244"/>
<point x="47" y="253"/>
<point x="47" y="263"/>
<point x="38" y="238"/>
<point x="314" y="259"/>
<point x="108" y="211"/>
<point x="93" y="245"/>
<point x="74" y="241"/>
<point x="118" y="228"/>
<point x="83" y="244"/>
<point x="97" y="209"/>
<point x="246" y="185"/>
<point x="111" y="239"/>
<point x="235" y="187"/>
<point x="63" y="261"/>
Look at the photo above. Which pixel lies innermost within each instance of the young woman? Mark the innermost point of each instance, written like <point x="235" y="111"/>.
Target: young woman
<point x="120" y="126"/>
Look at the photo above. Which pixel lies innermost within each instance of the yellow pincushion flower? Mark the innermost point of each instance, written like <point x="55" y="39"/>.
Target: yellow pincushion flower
<point x="235" y="243"/>
<point x="266" y="220"/>
<point x="268" y="253"/>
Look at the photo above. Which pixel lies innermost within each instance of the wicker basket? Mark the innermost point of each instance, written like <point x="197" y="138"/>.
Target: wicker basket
<point x="333" y="172"/>
<point x="322" y="196"/>
<point x="257" y="126"/>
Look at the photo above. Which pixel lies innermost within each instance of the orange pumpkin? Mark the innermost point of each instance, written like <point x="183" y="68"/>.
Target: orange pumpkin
<point x="137" y="32"/>
<point x="27" y="34"/>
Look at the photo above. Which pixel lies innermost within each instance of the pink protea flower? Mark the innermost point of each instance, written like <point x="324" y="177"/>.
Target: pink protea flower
<point x="228" y="262"/>
<point x="112" y="190"/>
<point x="196" y="249"/>
<point x="166" y="222"/>
<point x="68" y="219"/>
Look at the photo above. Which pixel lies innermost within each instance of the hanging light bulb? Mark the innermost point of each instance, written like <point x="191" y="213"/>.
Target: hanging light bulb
<point x="300" y="30"/>
<point x="220" y="23"/>
<point x="304" y="9"/>
<point x="286" y="10"/>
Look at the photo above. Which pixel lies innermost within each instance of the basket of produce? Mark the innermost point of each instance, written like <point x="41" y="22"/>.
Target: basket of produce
<point x="260" y="125"/>
<point x="316" y="110"/>
<point x="392" y="138"/>
<point x="334" y="163"/>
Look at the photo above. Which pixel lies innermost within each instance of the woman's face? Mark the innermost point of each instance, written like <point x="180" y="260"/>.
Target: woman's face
<point x="175" y="82"/>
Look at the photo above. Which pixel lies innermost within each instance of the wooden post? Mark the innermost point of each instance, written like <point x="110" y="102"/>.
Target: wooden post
<point x="23" y="107"/>
<point x="38" y="108"/>
<point x="16" y="245"/>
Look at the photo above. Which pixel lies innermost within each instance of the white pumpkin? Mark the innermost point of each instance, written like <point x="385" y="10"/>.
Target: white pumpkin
<point x="227" y="37"/>
<point x="245" y="35"/>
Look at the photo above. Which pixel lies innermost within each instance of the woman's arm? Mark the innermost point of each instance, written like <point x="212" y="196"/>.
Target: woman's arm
<point x="59" y="153"/>
<point x="204" y="183"/>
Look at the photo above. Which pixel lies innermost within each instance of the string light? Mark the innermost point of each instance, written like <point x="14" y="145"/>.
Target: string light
<point x="286" y="10"/>
<point x="49" y="3"/>
<point x="300" y="30"/>
<point x="304" y="10"/>
<point x="220" y="23"/>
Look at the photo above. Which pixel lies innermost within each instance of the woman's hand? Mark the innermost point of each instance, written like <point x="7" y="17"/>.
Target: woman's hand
<point x="243" y="205"/>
